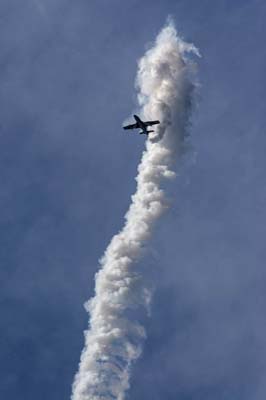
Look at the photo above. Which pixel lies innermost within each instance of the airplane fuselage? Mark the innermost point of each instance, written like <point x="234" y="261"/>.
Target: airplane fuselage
<point x="141" y="125"/>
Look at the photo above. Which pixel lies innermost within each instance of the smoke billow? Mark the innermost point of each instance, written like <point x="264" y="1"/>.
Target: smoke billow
<point x="115" y="337"/>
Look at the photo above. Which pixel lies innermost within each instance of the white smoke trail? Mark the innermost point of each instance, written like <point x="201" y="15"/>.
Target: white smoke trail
<point x="114" y="339"/>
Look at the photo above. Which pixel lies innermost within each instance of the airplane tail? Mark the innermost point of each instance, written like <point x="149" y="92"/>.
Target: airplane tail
<point x="145" y="132"/>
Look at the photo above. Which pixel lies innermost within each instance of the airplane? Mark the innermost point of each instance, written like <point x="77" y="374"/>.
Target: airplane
<point x="141" y="125"/>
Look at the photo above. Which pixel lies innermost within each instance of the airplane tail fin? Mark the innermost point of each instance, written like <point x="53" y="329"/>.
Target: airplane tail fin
<point x="145" y="132"/>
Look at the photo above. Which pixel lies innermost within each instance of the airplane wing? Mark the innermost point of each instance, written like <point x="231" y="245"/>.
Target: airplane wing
<point x="150" y="123"/>
<point x="133" y="126"/>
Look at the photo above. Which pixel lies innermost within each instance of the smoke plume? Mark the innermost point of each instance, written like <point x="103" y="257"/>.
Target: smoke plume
<point x="115" y="337"/>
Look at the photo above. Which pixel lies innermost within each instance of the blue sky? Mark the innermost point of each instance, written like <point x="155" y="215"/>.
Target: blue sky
<point x="67" y="76"/>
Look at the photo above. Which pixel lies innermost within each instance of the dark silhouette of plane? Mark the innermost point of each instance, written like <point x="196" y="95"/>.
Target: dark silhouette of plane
<point x="141" y="125"/>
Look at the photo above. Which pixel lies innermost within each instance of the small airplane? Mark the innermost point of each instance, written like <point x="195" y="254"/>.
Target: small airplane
<point x="141" y="125"/>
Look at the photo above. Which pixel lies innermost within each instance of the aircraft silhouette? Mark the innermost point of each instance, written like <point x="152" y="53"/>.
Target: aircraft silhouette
<point x="141" y="125"/>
